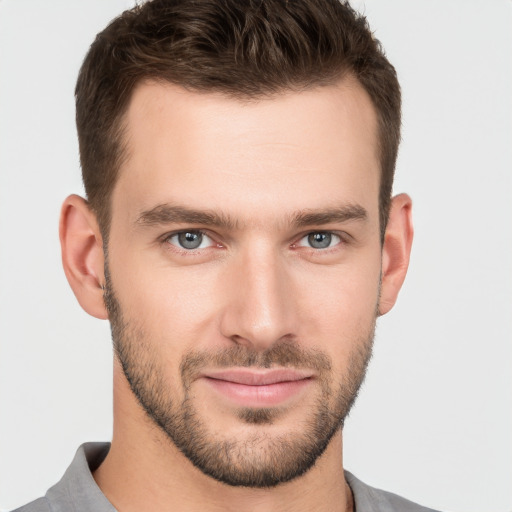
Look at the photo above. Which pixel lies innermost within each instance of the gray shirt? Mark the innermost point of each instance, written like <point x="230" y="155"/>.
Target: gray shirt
<point x="77" y="491"/>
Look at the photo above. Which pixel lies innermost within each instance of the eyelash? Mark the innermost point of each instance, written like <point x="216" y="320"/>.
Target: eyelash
<point x="341" y="236"/>
<point x="184" y="251"/>
<point x="329" y="234"/>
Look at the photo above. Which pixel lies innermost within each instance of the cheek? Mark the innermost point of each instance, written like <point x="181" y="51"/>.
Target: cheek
<point x="339" y="305"/>
<point x="171" y="304"/>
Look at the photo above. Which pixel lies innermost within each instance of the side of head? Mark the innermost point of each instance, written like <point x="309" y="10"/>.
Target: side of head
<point x="243" y="49"/>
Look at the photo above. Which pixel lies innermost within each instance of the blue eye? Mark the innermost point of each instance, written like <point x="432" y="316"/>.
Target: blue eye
<point x="320" y="240"/>
<point x="190" y="240"/>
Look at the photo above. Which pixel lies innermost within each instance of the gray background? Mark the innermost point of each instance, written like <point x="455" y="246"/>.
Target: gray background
<point x="434" y="420"/>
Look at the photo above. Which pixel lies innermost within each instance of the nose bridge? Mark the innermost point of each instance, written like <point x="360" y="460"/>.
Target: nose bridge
<point x="260" y="311"/>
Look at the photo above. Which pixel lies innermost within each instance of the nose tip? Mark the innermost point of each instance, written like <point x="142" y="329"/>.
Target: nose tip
<point x="259" y="311"/>
<point x="259" y="331"/>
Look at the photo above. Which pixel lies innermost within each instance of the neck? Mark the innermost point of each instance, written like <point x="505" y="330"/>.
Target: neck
<point x="144" y="470"/>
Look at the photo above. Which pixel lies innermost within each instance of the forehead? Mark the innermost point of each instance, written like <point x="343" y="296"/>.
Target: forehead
<point x="315" y="146"/>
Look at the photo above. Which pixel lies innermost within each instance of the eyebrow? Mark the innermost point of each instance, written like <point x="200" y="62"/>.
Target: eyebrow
<point x="341" y="214"/>
<point x="175" y="214"/>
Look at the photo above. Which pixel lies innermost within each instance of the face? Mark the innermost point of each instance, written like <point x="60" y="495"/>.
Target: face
<point x="244" y="264"/>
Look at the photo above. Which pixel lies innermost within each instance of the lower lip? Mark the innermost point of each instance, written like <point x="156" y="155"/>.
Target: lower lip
<point x="258" y="396"/>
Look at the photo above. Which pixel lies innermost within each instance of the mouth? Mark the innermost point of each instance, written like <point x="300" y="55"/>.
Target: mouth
<point x="258" y="388"/>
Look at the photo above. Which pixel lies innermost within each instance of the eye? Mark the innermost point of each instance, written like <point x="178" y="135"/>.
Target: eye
<point x="190" y="240"/>
<point x="320" y="240"/>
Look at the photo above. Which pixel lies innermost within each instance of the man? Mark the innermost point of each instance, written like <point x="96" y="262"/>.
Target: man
<point x="240" y="236"/>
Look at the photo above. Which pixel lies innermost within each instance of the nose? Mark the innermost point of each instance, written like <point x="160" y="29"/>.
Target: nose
<point x="260" y="301"/>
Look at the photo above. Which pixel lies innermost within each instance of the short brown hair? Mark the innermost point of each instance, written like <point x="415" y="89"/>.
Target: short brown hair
<point x="242" y="48"/>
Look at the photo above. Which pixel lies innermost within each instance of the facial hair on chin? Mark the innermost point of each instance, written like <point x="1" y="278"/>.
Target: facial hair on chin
<point x="261" y="460"/>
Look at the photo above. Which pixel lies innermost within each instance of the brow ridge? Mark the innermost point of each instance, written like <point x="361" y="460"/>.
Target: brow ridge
<point x="330" y="215"/>
<point x="170" y="214"/>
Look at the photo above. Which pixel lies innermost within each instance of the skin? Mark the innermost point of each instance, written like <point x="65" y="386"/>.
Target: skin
<point x="254" y="283"/>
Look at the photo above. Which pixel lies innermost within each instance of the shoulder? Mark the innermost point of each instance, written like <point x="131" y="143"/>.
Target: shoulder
<point x="369" y="498"/>
<point x="39" y="505"/>
<point x="77" y="489"/>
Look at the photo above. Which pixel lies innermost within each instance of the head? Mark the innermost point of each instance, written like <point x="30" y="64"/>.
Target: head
<point x="239" y="232"/>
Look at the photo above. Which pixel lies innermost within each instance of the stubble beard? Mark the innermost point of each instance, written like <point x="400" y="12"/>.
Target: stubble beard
<point x="261" y="459"/>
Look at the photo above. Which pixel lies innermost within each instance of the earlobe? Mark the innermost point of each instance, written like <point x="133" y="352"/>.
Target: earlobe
<point x="396" y="251"/>
<point x="82" y="254"/>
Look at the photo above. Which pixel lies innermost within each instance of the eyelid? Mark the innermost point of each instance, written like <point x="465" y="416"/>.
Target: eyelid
<point x="165" y="239"/>
<point x="333" y="234"/>
<point x="346" y="241"/>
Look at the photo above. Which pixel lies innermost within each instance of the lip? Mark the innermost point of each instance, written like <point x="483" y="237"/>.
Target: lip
<point x="258" y="388"/>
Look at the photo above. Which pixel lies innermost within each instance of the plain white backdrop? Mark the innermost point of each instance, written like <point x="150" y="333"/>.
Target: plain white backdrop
<point x="434" y="419"/>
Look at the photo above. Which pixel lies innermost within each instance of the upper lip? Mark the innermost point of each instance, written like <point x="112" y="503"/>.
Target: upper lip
<point x="258" y="377"/>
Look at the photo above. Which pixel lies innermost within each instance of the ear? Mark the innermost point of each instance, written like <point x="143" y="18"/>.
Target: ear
<point x="396" y="251"/>
<point x="82" y="254"/>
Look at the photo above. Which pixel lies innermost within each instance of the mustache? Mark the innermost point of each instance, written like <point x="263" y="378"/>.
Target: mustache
<point x="282" y="354"/>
